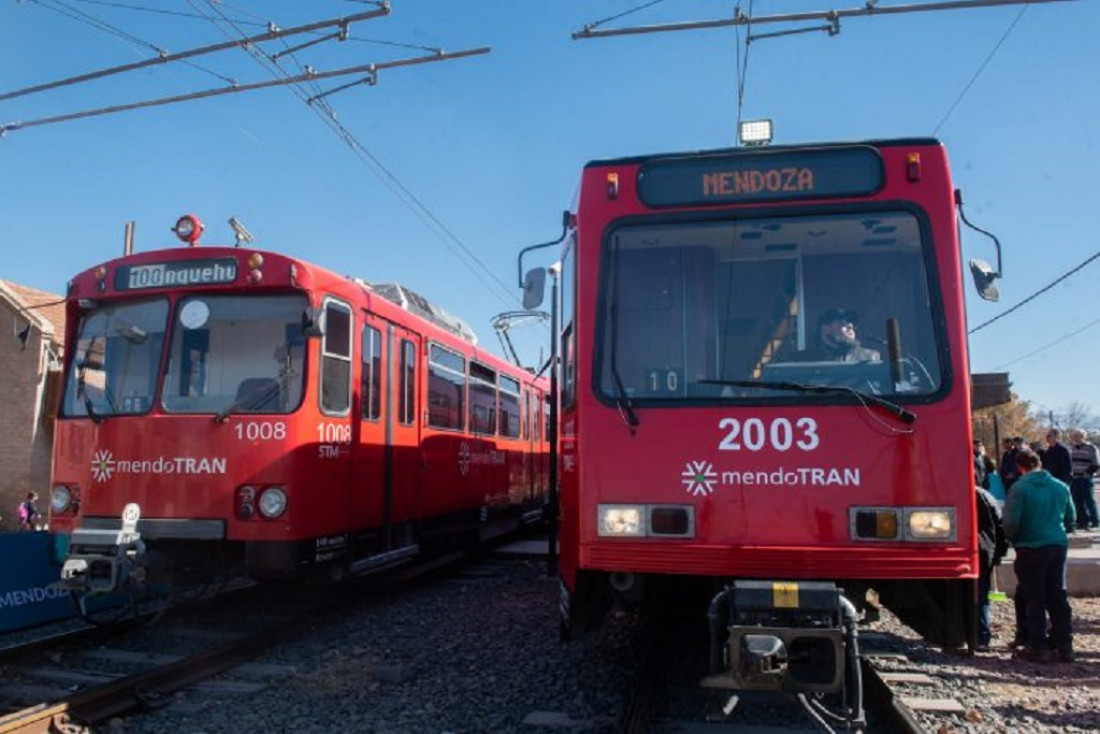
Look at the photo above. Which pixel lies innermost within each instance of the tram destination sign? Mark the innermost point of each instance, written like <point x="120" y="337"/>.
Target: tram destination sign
<point x="772" y="176"/>
<point x="178" y="273"/>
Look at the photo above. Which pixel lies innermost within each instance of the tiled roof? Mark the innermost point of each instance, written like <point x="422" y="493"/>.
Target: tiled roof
<point x="32" y="298"/>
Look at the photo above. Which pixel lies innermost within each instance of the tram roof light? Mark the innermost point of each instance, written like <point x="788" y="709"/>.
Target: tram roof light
<point x="188" y="228"/>
<point x="755" y="132"/>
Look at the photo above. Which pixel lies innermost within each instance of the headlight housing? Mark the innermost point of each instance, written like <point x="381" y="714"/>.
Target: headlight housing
<point x="645" y="521"/>
<point x="273" y="502"/>
<point x="60" y="498"/>
<point x="930" y="523"/>
<point x="621" y="521"/>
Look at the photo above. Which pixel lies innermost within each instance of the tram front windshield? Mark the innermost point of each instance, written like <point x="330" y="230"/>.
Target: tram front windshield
<point x="692" y="309"/>
<point x="240" y="354"/>
<point x="227" y="354"/>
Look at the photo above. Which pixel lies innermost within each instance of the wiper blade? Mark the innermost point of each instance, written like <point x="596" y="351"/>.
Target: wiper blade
<point x="892" y="408"/>
<point x="81" y="384"/>
<point x="256" y="398"/>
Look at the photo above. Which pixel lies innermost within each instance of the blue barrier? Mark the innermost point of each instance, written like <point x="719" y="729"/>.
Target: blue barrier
<point x="30" y="593"/>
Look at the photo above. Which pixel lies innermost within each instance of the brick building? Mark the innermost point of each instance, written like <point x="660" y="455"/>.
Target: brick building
<point x="30" y="360"/>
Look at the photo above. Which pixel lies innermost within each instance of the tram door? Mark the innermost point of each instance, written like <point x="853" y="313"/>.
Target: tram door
<point x="369" y="481"/>
<point x="531" y="458"/>
<point x="387" y="470"/>
<point x="403" y="428"/>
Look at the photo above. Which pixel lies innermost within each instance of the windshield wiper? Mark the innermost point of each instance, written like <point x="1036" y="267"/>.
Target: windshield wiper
<point x="256" y="398"/>
<point x="81" y="385"/>
<point x="864" y="397"/>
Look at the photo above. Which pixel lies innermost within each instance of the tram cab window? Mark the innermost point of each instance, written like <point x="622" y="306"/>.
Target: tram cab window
<point x="690" y="305"/>
<point x="244" y="354"/>
<point x="116" y="361"/>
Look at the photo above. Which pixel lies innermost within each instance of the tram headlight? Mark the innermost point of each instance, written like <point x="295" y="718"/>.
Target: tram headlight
<point x="930" y="523"/>
<point x="272" y="502"/>
<point x="60" y="498"/>
<point x="619" y="521"/>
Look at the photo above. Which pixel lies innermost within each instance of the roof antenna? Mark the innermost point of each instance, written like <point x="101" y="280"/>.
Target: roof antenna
<point x="242" y="234"/>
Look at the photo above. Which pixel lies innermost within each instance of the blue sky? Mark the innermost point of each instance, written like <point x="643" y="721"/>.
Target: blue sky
<point x="492" y="146"/>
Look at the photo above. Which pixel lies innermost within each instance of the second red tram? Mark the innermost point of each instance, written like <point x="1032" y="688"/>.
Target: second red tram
<point x="714" y="430"/>
<point x="266" y="414"/>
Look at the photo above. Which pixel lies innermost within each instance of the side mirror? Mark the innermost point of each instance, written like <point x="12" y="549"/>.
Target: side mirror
<point x="313" y="322"/>
<point x="534" y="287"/>
<point x="984" y="275"/>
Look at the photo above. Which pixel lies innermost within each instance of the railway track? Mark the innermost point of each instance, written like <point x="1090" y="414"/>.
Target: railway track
<point x="83" y="677"/>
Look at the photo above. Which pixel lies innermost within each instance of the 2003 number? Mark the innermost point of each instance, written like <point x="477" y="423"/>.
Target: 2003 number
<point x="780" y="435"/>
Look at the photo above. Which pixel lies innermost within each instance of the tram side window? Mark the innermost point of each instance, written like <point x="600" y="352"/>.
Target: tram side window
<point x="446" y="388"/>
<point x="483" y="399"/>
<point x="407" y="414"/>
<point x="336" y="360"/>
<point x="509" y="407"/>
<point x="370" y="389"/>
<point x="536" y="430"/>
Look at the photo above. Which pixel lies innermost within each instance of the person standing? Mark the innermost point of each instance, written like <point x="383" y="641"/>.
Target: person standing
<point x="1084" y="461"/>
<point x="28" y="512"/>
<point x="992" y="546"/>
<point x="1008" y="471"/>
<point x="1036" y="516"/>
<point x="1056" y="458"/>
<point x="983" y="460"/>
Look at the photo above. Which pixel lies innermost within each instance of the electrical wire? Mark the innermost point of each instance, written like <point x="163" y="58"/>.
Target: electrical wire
<point x="160" y="11"/>
<point x="388" y="178"/>
<point x="742" y="68"/>
<point x="1035" y="295"/>
<point x="625" y="13"/>
<point x="1048" y="345"/>
<point x="981" y="68"/>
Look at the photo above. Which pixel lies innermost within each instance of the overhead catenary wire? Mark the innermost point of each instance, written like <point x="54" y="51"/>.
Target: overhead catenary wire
<point x="308" y="76"/>
<point x="1048" y="345"/>
<point x="980" y="69"/>
<point x="590" y="31"/>
<point x="164" y="57"/>
<point x="1036" y="294"/>
<point x="327" y="115"/>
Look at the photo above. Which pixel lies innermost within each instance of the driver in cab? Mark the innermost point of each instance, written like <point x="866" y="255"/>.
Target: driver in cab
<point x="837" y="341"/>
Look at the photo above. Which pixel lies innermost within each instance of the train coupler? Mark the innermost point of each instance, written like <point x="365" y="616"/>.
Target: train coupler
<point x="103" y="561"/>
<point x="777" y="636"/>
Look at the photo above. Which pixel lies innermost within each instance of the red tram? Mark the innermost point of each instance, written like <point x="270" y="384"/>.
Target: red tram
<point x="265" y="413"/>
<point x="706" y="438"/>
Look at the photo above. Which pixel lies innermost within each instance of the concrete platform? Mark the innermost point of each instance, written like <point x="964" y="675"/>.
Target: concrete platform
<point x="1082" y="566"/>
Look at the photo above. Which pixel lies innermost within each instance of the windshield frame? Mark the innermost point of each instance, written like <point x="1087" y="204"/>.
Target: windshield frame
<point x="607" y="394"/>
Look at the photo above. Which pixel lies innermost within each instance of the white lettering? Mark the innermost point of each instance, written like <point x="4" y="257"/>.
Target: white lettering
<point x="804" y="476"/>
<point x="35" y="595"/>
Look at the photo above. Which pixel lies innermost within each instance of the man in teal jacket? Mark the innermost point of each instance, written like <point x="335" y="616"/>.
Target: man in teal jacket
<point x="1036" y="515"/>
